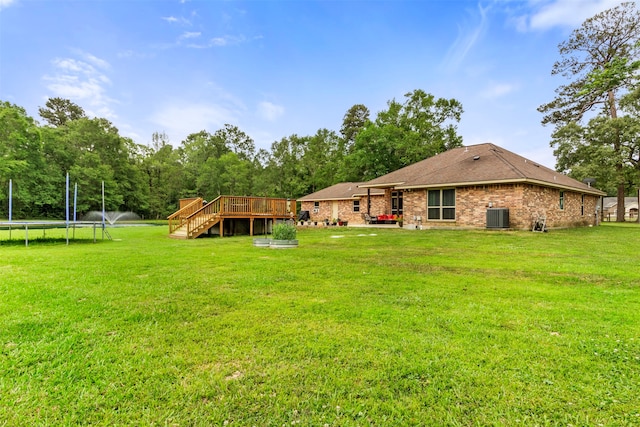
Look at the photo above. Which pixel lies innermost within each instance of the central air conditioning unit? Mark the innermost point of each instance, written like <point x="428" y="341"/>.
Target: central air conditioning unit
<point x="497" y="218"/>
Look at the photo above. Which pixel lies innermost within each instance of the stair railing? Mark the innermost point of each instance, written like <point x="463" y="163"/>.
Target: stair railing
<point x="203" y="216"/>
<point x="179" y="218"/>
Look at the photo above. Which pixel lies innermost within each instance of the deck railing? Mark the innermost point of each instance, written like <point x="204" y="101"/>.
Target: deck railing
<point x="196" y="217"/>
<point x="257" y="206"/>
<point x="179" y="218"/>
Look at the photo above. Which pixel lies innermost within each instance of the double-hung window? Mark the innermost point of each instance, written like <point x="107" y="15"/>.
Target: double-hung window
<point x="441" y="204"/>
<point x="356" y="205"/>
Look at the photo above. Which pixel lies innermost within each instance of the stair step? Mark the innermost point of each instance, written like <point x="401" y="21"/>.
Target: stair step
<point x="178" y="236"/>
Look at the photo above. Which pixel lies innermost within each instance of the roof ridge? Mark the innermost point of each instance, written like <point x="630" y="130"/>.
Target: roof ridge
<point x="498" y="153"/>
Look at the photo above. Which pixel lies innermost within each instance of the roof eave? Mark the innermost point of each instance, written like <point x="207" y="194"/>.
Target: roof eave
<point x="382" y="186"/>
<point x="593" y="191"/>
<point x="328" y="199"/>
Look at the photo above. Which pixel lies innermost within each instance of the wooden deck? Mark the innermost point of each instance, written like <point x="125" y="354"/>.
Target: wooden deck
<point x="197" y="217"/>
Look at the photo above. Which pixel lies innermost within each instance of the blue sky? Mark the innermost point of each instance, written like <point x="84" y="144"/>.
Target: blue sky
<point x="277" y="68"/>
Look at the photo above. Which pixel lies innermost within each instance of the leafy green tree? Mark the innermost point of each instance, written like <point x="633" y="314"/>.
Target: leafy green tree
<point x="601" y="59"/>
<point x="322" y="156"/>
<point x="163" y="171"/>
<point x="59" y="111"/>
<point x="206" y="161"/>
<point x="355" y="120"/>
<point x="284" y="168"/>
<point x="236" y="141"/>
<point x="374" y="152"/>
<point x="580" y="159"/>
<point x="235" y="174"/>
<point x="97" y="140"/>
<point x="34" y="190"/>
<point x="404" y="133"/>
<point x="264" y="177"/>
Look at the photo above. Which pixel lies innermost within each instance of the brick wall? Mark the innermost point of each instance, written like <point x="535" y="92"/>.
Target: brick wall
<point x="344" y="209"/>
<point x="524" y="201"/>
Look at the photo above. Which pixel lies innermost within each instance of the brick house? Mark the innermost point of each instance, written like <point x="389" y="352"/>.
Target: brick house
<point x="610" y="208"/>
<point x="344" y="201"/>
<point x="466" y="186"/>
<point x="470" y="187"/>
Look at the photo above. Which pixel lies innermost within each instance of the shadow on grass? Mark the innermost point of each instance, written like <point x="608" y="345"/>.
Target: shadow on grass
<point x="50" y="241"/>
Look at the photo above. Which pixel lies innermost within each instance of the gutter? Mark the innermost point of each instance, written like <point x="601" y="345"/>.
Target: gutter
<point x="590" y="190"/>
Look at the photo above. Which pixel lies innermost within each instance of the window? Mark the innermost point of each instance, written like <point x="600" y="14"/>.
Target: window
<point x="441" y="204"/>
<point x="561" y="200"/>
<point x="316" y="207"/>
<point x="582" y="206"/>
<point x="356" y="205"/>
<point x="396" y="202"/>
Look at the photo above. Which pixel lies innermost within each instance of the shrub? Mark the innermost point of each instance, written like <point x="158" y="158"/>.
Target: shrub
<point x="284" y="231"/>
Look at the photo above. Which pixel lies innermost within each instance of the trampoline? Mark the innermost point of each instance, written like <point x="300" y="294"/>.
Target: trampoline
<point x="46" y="225"/>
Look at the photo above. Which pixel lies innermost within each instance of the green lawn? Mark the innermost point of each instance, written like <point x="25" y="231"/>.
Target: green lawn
<point x="356" y="327"/>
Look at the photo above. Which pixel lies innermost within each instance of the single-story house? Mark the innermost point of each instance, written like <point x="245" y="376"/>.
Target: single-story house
<point x="478" y="186"/>
<point x="610" y="208"/>
<point x="344" y="201"/>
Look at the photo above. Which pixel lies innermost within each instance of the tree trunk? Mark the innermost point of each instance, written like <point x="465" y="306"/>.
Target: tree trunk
<point x="620" y="209"/>
<point x="619" y="166"/>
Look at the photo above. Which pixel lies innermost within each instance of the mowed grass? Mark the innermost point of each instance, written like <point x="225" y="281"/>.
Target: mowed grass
<point x="356" y="327"/>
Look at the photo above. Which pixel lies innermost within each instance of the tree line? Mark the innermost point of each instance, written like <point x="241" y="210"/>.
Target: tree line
<point x="150" y="179"/>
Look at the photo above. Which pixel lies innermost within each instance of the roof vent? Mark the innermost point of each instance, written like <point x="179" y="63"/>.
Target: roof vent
<point x="476" y="157"/>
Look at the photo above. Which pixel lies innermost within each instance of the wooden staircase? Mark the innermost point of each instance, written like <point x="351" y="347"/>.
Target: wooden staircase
<point x="196" y="218"/>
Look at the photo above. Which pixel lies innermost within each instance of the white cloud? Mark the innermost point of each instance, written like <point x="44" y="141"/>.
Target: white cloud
<point x="190" y="35"/>
<point x="497" y="90"/>
<point x="270" y="111"/>
<point x="5" y="3"/>
<point x="467" y="39"/>
<point x="101" y="63"/>
<point x="227" y="40"/>
<point x="220" y="42"/>
<point x="563" y="13"/>
<point x="182" y="118"/>
<point x="81" y="82"/>
<point x="124" y="54"/>
<point x="173" y="20"/>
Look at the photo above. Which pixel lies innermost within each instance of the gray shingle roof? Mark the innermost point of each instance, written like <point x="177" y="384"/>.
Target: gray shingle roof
<point x="342" y="191"/>
<point x="610" y="202"/>
<point x="477" y="164"/>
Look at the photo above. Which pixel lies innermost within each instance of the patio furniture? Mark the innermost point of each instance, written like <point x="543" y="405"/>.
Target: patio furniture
<point x="386" y="219"/>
